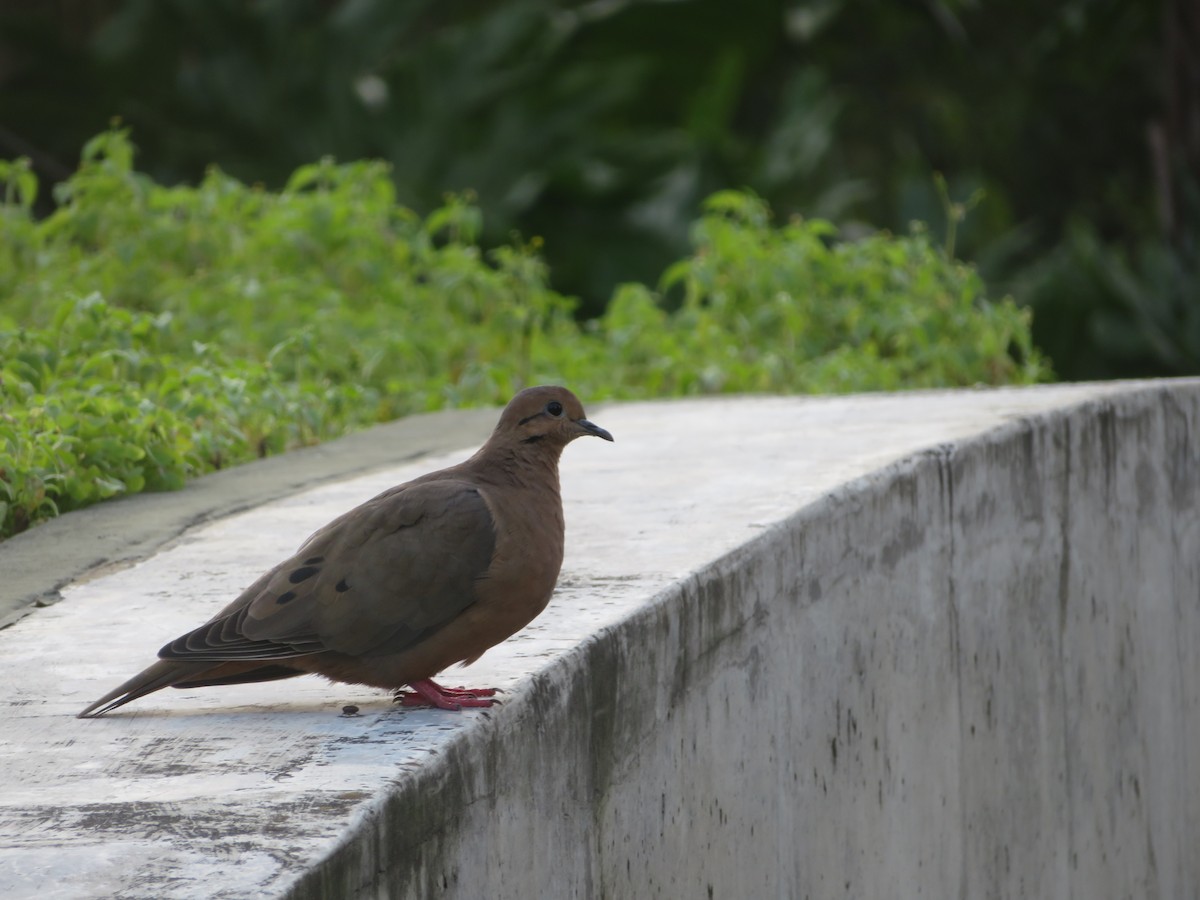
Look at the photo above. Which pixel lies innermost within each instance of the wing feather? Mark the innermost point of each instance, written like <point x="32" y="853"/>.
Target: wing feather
<point x="375" y="581"/>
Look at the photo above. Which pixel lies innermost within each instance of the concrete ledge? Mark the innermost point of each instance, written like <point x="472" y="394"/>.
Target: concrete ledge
<point x="943" y="644"/>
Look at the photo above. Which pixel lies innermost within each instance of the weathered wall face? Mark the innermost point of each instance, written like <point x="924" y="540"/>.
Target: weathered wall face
<point x="1079" y="606"/>
<point x="974" y="673"/>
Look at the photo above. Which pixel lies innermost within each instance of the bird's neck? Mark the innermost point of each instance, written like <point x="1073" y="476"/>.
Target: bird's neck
<point x="520" y="466"/>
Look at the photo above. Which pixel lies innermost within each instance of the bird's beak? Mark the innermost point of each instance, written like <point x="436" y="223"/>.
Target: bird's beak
<point x="592" y="428"/>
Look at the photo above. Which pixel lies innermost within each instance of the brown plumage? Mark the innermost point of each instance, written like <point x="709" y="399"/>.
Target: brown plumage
<point x="427" y="574"/>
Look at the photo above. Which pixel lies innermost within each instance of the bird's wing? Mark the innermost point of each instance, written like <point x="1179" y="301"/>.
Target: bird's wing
<point x="372" y="582"/>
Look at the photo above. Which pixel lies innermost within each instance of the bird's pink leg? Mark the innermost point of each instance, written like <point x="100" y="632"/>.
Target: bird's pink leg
<point x="427" y="692"/>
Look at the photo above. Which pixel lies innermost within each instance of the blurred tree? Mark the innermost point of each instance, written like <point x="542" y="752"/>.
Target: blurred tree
<point x="601" y="124"/>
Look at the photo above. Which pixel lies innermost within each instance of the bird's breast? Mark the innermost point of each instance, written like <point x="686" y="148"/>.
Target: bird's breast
<point x="527" y="558"/>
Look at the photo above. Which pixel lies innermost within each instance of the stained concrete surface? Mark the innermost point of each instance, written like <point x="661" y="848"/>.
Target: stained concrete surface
<point x="942" y="644"/>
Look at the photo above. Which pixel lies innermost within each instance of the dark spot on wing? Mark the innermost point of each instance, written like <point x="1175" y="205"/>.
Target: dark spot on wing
<point x="341" y="587"/>
<point x="286" y="598"/>
<point x="301" y="574"/>
<point x="314" y="561"/>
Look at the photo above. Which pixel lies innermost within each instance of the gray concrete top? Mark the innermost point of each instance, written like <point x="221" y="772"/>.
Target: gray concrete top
<point x="232" y="792"/>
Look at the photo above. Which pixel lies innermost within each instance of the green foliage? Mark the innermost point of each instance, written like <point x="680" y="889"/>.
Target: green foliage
<point x="148" y="334"/>
<point x="583" y="121"/>
<point x="328" y="281"/>
<point x="791" y="309"/>
<point x="95" y="405"/>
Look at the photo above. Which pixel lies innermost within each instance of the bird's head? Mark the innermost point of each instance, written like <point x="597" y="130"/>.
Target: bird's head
<point x="546" y="415"/>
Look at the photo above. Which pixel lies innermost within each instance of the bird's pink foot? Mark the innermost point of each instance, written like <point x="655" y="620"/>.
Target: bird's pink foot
<point x="426" y="692"/>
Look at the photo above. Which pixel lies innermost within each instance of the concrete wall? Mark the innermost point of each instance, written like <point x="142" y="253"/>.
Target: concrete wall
<point x="940" y="644"/>
<point x="974" y="673"/>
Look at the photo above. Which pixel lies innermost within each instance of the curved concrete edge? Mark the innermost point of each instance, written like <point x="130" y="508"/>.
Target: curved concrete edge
<point x="39" y="562"/>
<point x="975" y="672"/>
<point x="794" y="650"/>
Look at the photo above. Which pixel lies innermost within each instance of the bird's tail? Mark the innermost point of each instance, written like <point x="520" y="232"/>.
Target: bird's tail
<point x="184" y="674"/>
<point x="162" y="674"/>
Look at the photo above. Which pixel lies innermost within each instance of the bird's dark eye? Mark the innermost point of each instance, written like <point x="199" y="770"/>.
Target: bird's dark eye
<point x="554" y="408"/>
